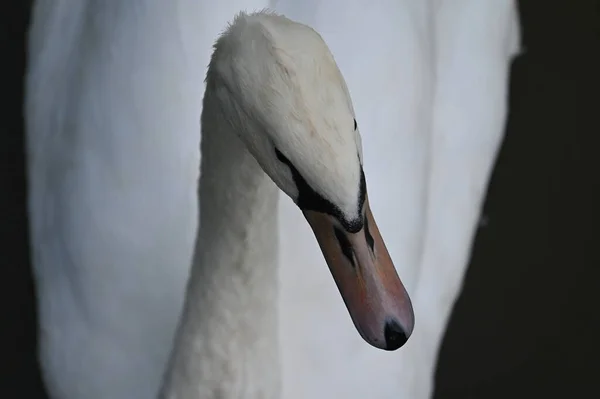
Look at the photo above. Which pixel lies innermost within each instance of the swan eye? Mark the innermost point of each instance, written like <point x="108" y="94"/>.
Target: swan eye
<point x="355" y="124"/>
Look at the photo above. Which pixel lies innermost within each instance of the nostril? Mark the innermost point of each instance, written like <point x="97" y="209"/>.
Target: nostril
<point x="394" y="334"/>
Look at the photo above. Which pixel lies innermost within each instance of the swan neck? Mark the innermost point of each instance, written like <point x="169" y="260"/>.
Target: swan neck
<point x="227" y="341"/>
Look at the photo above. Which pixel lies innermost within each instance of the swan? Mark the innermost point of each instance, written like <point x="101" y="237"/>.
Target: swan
<point x="112" y="199"/>
<point x="273" y="84"/>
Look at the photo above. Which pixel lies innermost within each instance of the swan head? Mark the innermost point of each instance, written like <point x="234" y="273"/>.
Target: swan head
<point x="275" y="83"/>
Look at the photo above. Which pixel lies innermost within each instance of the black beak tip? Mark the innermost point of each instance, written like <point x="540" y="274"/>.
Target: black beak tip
<point x="395" y="336"/>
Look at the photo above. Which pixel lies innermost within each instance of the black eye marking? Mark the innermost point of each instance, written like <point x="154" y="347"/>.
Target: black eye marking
<point x="355" y="124"/>
<point x="344" y="245"/>
<point x="310" y="200"/>
<point x="362" y="191"/>
<point x="368" y="236"/>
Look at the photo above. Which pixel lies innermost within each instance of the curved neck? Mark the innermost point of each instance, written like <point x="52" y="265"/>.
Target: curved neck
<point x="227" y="341"/>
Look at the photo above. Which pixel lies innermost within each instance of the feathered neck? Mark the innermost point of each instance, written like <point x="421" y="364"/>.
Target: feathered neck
<point x="229" y="322"/>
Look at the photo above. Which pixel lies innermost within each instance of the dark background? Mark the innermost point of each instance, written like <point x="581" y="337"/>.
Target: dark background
<point x="527" y="322"/>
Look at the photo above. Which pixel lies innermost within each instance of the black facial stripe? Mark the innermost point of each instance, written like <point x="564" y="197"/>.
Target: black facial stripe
<point x="355" y="124"/>
<point x="344" y="245"/>
<point x="310" y="200"/>
<point x="362" y="191"/>
<point x="368" y="236"/>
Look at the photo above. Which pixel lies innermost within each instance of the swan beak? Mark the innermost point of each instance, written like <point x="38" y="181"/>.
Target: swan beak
<point x="367" y="279"/>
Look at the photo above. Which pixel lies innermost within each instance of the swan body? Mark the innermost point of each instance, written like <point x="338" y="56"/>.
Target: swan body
<point x="113" y="199"/>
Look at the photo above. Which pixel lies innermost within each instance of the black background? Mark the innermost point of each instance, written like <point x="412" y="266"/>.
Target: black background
<point x="527" y="322"/>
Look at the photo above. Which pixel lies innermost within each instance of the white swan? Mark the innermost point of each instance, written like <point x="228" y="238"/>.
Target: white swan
<point x="274" y="84"/>
<point x="112" y="200"/>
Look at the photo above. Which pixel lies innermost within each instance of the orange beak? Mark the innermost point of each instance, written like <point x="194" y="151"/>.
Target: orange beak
<point x="367" y="279"/>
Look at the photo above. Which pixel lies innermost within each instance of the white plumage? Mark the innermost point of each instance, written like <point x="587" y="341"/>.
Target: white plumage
<point x="113" y="104"/>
